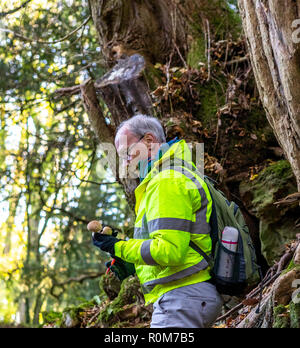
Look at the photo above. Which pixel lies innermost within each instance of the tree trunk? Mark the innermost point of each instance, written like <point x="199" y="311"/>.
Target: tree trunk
<point x="37" y="308"/>
<point x="139" y="33"/>
<point x="153" y="28"/>
<point x="147" y="27"/>
<point x="13" y="204"/>
<point x="125" y="92"/>
<point x="275" y="57"/>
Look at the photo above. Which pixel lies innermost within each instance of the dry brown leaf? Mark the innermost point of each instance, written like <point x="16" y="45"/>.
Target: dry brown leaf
<point x="250" y="302"/>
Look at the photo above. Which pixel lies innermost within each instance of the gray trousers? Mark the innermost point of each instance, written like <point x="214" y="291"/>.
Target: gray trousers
<point x="192" y="306"/>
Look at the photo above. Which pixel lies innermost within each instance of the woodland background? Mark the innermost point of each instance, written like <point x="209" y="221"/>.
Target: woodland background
<point x="222" y="73"/>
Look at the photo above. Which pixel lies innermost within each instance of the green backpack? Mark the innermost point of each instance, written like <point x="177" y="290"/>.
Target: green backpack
<point x="245" y="269"/>
<point x="227" y="214"/>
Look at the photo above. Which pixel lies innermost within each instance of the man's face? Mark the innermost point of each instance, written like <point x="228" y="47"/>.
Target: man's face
<point x="131" y="150"/>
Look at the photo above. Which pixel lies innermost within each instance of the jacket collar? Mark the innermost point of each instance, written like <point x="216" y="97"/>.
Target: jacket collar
<point x="146" y="166"/>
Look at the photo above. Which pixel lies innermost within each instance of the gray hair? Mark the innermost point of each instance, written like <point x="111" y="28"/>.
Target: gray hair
<point x="139" y="125"/>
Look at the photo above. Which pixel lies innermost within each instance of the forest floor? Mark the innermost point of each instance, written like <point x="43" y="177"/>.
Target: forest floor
<point x="273" y="296"/>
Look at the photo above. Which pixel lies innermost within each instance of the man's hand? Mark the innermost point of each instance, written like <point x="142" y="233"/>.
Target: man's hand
<point x="121" y="269"/>
<point x="105" y="242"/>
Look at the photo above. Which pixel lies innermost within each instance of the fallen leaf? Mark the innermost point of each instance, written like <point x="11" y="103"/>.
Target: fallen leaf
<point x="250" y="301"/>
<point x="221" y="326"/>
<point x="253" y="177"/>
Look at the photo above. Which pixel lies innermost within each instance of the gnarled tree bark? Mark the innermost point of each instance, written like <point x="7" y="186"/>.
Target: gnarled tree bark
<point x="275" y="57"/>
<point x="147" y="27"/>
<point x="152" y="27"/>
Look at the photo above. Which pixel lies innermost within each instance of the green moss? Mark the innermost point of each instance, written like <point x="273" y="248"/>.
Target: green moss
<point x="52" y="317"/>
<point x="70" y="317"/>
<point x="210" y="97"/>
<point x="277" y="223"/>
<point x="116" y="305"/>
<point x="130" y="288"/>
<point x="291" y="266"/>
<point x="264" y="188"/>
<point x="153" y="77"/>
<point x="86" y="305"/>
<point x="196" y="53"/>
<point x="295" y="315"/>
<point x="208" y="107"/>
<point x="222" y="19"/>
<point x="277" y="173"/>
<point x="281" y="317"/>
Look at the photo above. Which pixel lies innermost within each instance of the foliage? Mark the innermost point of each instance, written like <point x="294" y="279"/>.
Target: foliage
<point x="51" y="179"/>
<point x="50" y="184"/>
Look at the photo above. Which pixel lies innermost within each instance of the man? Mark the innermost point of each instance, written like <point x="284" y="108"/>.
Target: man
<point x="173" y="207"/>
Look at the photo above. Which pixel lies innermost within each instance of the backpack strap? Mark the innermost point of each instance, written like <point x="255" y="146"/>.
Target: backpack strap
<point x="209" y="181"/>
<point x="213" y="221"/>
<point x="207" y="258"/>
<point x="177" y="162"/>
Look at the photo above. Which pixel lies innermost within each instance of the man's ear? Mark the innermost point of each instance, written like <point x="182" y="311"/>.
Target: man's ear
<point x="149" y="139"/>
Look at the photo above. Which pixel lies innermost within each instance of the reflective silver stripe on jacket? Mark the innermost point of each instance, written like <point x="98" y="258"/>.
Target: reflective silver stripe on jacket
<point x="201" y="226"/>
<point x="146" y="255"/>
<point x="148" y="286"/>
<point x="198" y="227"/>
<point x="169" y="224"/>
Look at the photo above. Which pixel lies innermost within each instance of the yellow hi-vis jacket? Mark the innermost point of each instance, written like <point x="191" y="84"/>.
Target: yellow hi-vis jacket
<point x="173" y="208"/>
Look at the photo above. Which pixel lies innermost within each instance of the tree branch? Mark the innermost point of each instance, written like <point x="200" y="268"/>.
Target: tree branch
<point x="94" y="182"/>
<point x="46" y="42"/>
<point x="3" y="14"/>
<point x="67" y="91"/>
<point x="94" y="111"/>
<point x="80" y="278"/>
<point x="238" y="60"/>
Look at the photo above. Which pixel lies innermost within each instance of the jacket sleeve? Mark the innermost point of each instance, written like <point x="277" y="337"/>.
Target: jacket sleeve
<point x="169" y="213"/>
